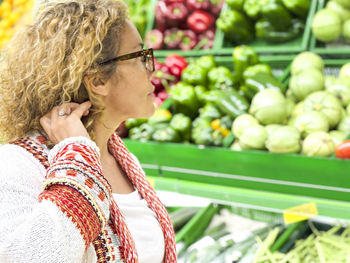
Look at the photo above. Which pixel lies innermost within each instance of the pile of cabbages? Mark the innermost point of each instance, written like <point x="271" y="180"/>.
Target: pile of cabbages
<point x="312" y="118"/>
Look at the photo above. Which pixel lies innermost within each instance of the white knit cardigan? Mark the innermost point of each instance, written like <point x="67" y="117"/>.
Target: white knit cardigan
<point x="34" y="231"/>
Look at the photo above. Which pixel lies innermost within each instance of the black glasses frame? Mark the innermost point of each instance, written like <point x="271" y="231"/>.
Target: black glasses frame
<point x="145" y="53"/>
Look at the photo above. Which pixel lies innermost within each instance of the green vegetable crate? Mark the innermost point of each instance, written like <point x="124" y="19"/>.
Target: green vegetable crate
<point x="221" y="47"/>
<point x="333" y="50"/>
<point x="256" y="179"/>
<point x="294" y="46"/>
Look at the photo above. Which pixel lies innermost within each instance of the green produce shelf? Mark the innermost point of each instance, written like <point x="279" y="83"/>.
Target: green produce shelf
<point x="254" y="200"/>
<point x="256" y="178"/>
<point x="262" y="47"/>
<point x="340" y="50"/>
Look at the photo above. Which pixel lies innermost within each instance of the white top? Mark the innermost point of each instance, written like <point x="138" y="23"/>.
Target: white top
<point x="143" y="226"/>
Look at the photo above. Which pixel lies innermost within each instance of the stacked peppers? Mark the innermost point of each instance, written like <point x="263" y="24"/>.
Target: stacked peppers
<point x="206" y="99"/>
<point x="184" y="24"/>
<point x="274" y="21"/>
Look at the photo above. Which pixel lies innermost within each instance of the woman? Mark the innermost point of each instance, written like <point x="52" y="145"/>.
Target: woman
<point x="69" y="189"/>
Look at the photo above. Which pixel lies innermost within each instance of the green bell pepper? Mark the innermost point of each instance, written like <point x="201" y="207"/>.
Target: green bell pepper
<point x="184" y="99"/>
<point x="252" y="70"/>
<point x="276" y="14"/>
<point x="166" y="134"/>
<point x="236" y="26"/>
<point x="235" y="4"/>
<point x="142" y="133"/>
<point x="243" y="57"/>
<point x="206" y="62"/>
<point x="203" y="136"/>
<point x="253" y="8"/>
<point x="160" y="116"/>
<point x="181" y="124"/>
<point x="200" y="93"/>
<point x="261" y="81"/>
<point x="220" y="78"/>
<point x="266" y="31"/>
<point x="210" y="111"/>
<point x="231" y="102"/>
<point x="245" y="92"/>
<point x="194" y="74"/>
<point x="228" y="140"/>
<point x="201" y="122"/>
<point x="298" y="7"/>
<point x="131" y="123"/>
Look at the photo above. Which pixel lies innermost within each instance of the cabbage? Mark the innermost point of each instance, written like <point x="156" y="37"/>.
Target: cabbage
<point x="346" y="31"/>
<point x="236" y="147"/>
<point x="311" y="121"/>
<point x="253" y="137"/>
<point x="291" y="121"/>
<point x="290" y="96"/>
<point x="290" y="106"/>
<point x="326" y="25"/>
<point x="272" y="127"/>
<point x="269" y="107"/>
<point x="284" y="139"/>
<point x="344" y="125"/>
<point x="298" y="109"/>
<point x="338" y="136"/>
<point x="329" y="80"/>
<point x="318" y="144"/>
<point x="343" y="3"/>
<point x="345" y="72"/>
<point x="343" y="114"/>
<point x="326" y="103"/>
<point x="342" y="12"/>
<point x="241" y="123"/>
<point x="307" y="60"/>
<point x="348" y="110"/>
<point x="341" y="89"/>
<point x="306" y="82"/>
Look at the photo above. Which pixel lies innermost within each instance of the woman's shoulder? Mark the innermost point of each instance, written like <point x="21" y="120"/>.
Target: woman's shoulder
<point x="14" y="158"/>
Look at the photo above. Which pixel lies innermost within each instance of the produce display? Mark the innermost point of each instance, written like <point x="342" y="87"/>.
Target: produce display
<point x="332" y="23"/>
<point x="184" y="24"/>
<point x="13" y="13"/>
<point x="249" y="109"/>
<point x="138" y="13"/>
<point x="214" y="234"/>
<point x="273" y="21"/>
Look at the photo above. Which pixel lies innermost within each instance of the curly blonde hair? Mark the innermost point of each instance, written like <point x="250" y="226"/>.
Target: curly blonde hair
<point x="44" y="64"/>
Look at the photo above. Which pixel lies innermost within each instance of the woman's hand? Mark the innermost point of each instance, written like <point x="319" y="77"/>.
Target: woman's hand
<point x="64" y="121"/>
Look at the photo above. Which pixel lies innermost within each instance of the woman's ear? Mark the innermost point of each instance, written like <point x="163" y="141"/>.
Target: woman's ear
<point x="96" y="85"/>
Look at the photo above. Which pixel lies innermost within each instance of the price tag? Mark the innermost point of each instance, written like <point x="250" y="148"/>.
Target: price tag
<point x="300" y="213"/>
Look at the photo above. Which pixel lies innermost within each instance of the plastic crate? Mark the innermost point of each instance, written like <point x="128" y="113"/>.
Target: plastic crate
<point x="341" y="50"/>
<point x="294" y="46"/>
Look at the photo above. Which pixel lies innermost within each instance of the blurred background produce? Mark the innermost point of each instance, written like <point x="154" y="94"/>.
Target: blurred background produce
<point x="184" y="24"/>
<point x="332" y="23"/>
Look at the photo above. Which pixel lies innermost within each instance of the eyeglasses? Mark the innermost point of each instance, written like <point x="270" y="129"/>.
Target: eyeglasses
<point x="146" y="54"/>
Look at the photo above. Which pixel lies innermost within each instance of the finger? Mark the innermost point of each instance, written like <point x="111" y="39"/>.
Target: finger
<point x="45" y="122"/>
<point x="79" y="111"/>
<point x="86" y="113"/>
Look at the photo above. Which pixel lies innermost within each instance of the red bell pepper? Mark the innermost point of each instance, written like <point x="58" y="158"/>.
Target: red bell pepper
<point x="176" y="14"/>
<point x="216" y="6"/>
<point x="200" y="21"/>
<point x="176" y="64"/>
<point x="160" y="15"/>
<point x="174" y="1"/>
<point x="198" y="5"/>
<point x="172" y="38"/>
<point x="342" y="151"/>
<point x="189" y="40"/>
<point x="206" y="39"/>
<point x="154" y="39"/>
<point x="161" y="77"/>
